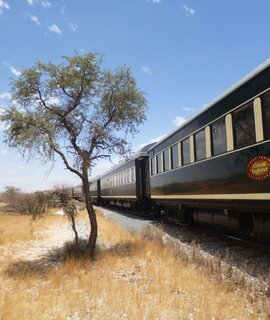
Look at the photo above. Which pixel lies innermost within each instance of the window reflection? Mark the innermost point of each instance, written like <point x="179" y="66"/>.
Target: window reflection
<point x="200" y="145"/>
<point x="166" y="160"/>
<point x="244" y="126"/>
<point x="175" y="160"/>
<point x="186" y="151"/>
<point x="159" y="168"/>
<point x="219" y="141"/>
<point x="266" y="114"/>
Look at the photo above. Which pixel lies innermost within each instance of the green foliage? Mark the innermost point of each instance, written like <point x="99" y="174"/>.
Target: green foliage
<point x="75" y="109"/>
<point x="72" y="208"/>
<point x="10" y="196"/>
<point x="71" y="211"/>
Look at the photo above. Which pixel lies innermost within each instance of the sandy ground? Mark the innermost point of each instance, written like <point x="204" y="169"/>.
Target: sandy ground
<point x="51" y="238"/>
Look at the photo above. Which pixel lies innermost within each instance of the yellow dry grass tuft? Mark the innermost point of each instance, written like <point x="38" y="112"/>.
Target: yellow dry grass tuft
<point x="132" y="278"/>
<point x="15" y="228"/>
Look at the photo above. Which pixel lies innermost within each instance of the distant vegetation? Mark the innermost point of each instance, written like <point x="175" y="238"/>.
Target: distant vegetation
<point x="33" y="204"/>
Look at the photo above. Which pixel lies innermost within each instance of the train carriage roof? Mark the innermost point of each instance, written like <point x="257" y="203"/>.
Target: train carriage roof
<point x="143" y="152"/>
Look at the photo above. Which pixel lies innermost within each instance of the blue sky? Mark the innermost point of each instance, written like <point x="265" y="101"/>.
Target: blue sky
<point x="183" y="55"/>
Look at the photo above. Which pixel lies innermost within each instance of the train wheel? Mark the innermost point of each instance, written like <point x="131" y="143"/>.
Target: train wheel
<point x="188" y="217"/>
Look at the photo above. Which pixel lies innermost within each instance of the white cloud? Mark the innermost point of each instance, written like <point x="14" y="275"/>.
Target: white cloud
<point x="5" y="96"/>
<point x="63" y="10"/>
<point x="35" y="19"/>
<point x="53" y="101"/>
<point x="156" y="1"/>
<point x="153" y="140"/>
<point x="73" y="26"/>
<point x="188" y="109"/>
<point x="11" y="68"/>
<point x="188" y="10"/>
<point x="3" y="152"/>
<point x="14" y="71"/>
<point x="156" y="139"/>
<point x="3" y="6"/>
<point x="54" y="28"/>
<point x="178" y="121"/>
<point x="45" y="4"/>
<point x="146" y="70"/>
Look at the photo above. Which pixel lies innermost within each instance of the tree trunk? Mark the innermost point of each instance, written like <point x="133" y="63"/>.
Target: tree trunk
<point x="74" y="229"/>
<point x="92" y="216"/>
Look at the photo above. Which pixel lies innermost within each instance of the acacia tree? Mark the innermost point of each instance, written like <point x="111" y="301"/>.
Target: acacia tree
<point x="76" y="110"/>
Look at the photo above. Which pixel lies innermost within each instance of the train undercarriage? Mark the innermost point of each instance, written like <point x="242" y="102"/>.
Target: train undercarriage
<point x="249" y="223"/>
<point x="237" y="221"/>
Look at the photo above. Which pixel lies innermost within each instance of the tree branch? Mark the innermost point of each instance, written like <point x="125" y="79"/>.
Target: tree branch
<point x="66" y="162"/>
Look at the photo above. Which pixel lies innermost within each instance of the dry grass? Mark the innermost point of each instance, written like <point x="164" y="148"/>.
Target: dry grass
<point x="14" y="228"/>
<point x="133" y="277"/>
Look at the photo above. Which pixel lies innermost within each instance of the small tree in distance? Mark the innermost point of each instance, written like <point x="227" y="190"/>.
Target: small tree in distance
<point x="71" y="211"/>
<point x="75" y="110"/>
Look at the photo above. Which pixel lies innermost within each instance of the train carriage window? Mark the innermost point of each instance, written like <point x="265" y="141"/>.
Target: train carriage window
<point x="132" y="175"/>
<point x="153" y="166"/>
<point x="166" y="160"/>
<point x="200" y="145"/>
<point x="266" y="114"/>
<point x="159" y="167"/>
<point x="186" y="151"/>
<point x="244" y="126"/>
<point x="218" y="134"/>
<point x="175" y="159"/>
<point x="128" y="175"/>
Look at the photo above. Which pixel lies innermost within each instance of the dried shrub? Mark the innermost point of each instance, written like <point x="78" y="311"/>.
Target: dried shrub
<point x="71" y="210"/>
<point x="25" y="203"/>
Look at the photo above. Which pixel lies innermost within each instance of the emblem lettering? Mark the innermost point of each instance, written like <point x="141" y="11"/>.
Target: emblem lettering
<point x="258" y="168"/>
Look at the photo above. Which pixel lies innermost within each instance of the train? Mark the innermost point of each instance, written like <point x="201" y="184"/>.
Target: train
<point x="214" y="170"/>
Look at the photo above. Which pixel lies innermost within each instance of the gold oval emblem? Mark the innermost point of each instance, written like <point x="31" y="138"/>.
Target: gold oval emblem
<point x="259" y="168"/>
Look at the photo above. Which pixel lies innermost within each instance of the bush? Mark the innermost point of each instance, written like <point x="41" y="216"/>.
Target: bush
<point x="71" y="211"/>
<point x="62" y="193"/>
<point x="25" y="203"/>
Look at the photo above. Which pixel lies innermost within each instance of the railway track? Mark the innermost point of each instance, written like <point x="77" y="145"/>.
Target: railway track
<point x="260" y="246"/>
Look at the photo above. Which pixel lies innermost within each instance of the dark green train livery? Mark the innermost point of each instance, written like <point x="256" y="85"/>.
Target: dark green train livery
<point x="214" y="170"/>
<point x="127" y="184"/>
